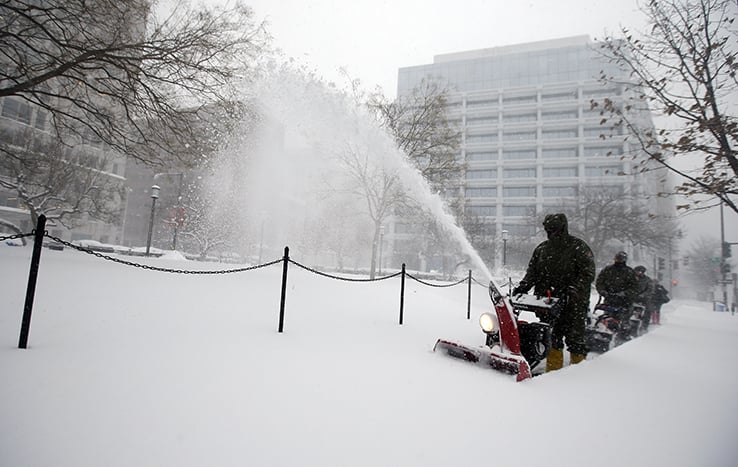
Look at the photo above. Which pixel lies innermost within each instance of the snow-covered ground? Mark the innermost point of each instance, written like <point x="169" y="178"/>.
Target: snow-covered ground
<point x="132" y="367"/>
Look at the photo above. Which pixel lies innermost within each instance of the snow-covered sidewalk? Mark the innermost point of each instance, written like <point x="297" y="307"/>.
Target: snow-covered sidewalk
<point x="134" y="367"/>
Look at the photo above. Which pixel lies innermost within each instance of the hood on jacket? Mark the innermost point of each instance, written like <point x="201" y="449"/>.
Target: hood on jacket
<point x="556" y="222"/>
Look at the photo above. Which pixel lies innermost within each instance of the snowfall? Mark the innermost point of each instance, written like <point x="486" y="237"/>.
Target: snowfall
<point x="136" y="367"/>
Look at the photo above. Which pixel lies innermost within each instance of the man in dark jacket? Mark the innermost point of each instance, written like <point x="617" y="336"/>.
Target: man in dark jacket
<point x="660" y="296"/>
<point x="644" y="295"/>
<point x="618" y="286"/>
<point x="563" y="266"/>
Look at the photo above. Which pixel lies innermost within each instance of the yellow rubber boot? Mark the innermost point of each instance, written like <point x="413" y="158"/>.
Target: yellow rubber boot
<point x="555" y="360"/>
<point x="575" y="358"/>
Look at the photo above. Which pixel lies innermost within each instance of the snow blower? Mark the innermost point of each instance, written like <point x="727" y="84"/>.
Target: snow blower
<point x="512" y="345"/>
<point x="605" y="329"/>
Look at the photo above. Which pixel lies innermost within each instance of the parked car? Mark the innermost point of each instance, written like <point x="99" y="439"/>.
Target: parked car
<point x="52" y="245"/>
<point x="94" y="245"/>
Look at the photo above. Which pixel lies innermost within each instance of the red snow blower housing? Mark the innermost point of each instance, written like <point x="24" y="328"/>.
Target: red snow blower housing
<point x="513" y="345"/>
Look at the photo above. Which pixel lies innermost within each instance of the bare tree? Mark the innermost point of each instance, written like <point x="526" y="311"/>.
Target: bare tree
<point x="110" y="70"/>
<point x="684" y="68"/>
<point x="377" y="186"/>
<point x="419" y="123"/>
<point x="63" y="184"/>
<point x="603" y="217"/>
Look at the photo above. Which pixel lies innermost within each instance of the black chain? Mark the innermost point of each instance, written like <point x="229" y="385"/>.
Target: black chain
<point x="436" y="285"/>
<point x="13" y="237"/>
<point x="227" y="271"/>
<point x="348" y="279"/>
<point x="156" y="268"/>
<point x="476" y="281"/>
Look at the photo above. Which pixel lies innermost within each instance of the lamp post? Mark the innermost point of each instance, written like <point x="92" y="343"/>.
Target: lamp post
<point x="505" y="235"/>
<point x="154" y="195"/>
<point x="178" y="210"/>
<point x="381" y="236"/>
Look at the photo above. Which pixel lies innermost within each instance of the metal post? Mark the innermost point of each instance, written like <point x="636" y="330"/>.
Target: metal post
<point x="402" y="293"/>
<point x="468" y="301"/>
<point x="38" y="240"/>
<point x="154" y="195"/>
<point x="286" y="260"/>
<point x="505" y="234"/>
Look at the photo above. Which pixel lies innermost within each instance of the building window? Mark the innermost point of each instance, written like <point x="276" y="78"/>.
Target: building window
<point x="602" y="132"/>
<point x="562" y="115"/>
<point x="517" y="118"/>
<point x="476" y="139"/>
<point x="41" y="117"/>
<point x="560" y="133"/>
<point x="484" y="103"/>
<point x="519" y="192"/>
<point x="523" y="154"/>
<point x="600" y="92"/>
<point x="557" y="172"/>
<point x="482" y="211"/>
<point x="518" y="210"/>
<point x="559" y="96"/>
<point x="481" y="192"/>
<point x="479" y="121"/>
<point x="559" y="153"/>
<point x="559" y="191"/>
<point x="519" y="136"/>
<point x="481" y="174"/>
<point x="603" y="151"/>
<point x="603" y="171"/>
<point x="17" y="109"/>
<point x="519" y="100"/>
<point x="481" y="156"/>
<point x="528" y="172"/>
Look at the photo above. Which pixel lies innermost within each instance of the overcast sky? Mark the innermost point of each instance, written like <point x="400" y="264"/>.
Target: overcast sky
<point x="372" y="39"/>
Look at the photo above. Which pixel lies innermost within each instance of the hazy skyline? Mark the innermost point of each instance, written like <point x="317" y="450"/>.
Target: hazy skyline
<point x="371" y="40"/>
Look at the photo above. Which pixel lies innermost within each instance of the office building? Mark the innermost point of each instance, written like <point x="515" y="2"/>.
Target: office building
<point x="531" y="142"/>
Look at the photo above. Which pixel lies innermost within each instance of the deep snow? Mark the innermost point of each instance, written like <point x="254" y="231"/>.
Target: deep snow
<point x="131" y="367"/>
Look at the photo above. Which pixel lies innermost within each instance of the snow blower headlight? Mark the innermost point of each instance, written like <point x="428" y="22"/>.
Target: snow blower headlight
<point x="488" y="322"/>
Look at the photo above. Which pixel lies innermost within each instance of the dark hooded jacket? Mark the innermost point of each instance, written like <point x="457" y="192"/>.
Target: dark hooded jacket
<point x="561" y="263"/>
<point x="618" y="284"/>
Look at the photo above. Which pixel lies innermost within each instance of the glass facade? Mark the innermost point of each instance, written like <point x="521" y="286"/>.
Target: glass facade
<point x="527" y="117"/>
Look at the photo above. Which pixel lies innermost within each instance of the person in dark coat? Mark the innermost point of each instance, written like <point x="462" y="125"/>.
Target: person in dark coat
<point x="660" y="296"/>
<point x="618" y="286"/>
<point x="563" y="266"/>
<point x="644" y="295"/>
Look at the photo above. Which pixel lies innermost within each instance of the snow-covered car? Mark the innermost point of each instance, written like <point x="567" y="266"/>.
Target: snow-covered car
<point x="94" y="245"/>
<point x="52" y="245"/>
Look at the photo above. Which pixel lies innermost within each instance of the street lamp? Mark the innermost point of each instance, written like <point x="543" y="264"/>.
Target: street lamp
<point x="381" y="235"/>
<point x="178" y="210"/>
<point x="505" y="235"/>
<point x="154" y="195"/>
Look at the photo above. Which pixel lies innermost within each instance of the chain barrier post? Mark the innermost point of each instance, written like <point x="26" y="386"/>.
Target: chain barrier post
<point x="468" y="301"/>
<point x="285" y="260"/>
<point x="38" y="240"/>
<point x="402" y="293"/>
